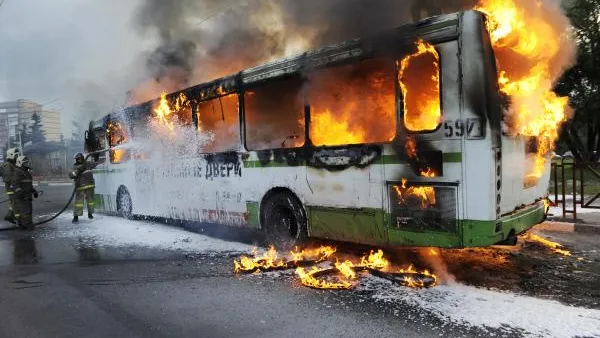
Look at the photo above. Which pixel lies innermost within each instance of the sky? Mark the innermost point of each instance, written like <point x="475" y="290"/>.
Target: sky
<point x="65" y="52"/>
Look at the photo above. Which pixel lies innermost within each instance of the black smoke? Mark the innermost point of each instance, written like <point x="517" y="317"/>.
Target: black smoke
<point x="203" y="39"/>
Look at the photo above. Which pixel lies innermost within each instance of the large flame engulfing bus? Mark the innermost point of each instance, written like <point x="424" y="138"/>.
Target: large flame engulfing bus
<point x="395" y="139"/>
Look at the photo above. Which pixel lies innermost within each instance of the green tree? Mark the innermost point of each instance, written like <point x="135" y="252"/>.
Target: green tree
<point x="25" y="133"/>
<point x="37" y="134"/>
<point x="582" y="83"/>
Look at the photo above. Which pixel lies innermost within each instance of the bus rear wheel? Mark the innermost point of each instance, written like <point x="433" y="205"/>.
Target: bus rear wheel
<point x="285" y="221"/>
<point x="124" y="204"/>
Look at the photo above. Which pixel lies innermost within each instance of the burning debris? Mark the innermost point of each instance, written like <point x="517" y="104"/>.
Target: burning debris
<point x="339" y="275"/>
<point x="553" y="246"/>
<point x="533" y="48"/>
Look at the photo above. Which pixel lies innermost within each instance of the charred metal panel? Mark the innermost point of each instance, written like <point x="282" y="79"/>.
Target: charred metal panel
<point x="340" y="158"/>
<point x="392" y="43"/>
<point x="409" y="213"/>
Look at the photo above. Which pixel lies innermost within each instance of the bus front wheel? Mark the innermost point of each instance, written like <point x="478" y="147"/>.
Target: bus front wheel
<point x="124" y="204"/>
<point x="285" y="221"/>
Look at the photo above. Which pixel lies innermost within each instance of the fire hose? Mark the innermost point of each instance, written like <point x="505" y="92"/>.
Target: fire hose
<point x="70" y="198"/>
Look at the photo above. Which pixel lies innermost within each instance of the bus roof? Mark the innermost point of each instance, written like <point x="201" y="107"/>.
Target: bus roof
<point x="434" y="30"/>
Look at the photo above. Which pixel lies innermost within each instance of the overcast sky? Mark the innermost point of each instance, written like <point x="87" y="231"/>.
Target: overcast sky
<point x="69" y="51"/>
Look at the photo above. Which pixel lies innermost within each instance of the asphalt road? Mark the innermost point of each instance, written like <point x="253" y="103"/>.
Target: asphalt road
<point x="63" y="280"/>
<point x="63" y="287"/>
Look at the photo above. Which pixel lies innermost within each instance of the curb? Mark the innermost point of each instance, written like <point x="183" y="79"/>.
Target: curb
<point x="556" y="226"/>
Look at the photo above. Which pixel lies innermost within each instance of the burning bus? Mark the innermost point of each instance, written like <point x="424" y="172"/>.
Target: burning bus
<point x="395" y="139"/>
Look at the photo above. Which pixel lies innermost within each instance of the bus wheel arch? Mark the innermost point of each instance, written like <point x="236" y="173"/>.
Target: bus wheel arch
<point x="124" y="202"/>
<point x="283" y="218"/>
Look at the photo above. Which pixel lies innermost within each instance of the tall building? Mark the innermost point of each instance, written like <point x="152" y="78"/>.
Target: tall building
<point x="51" y="125"/>
<point x="16" y="115"/>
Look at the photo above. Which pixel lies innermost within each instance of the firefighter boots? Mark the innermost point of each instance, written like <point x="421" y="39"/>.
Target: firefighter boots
<point x="75" y="219"/>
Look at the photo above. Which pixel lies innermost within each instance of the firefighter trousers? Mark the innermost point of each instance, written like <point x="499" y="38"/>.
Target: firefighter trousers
<point x="80" y="195"/>
<point x="12" y="208"/>
<point x="25" y="213"/>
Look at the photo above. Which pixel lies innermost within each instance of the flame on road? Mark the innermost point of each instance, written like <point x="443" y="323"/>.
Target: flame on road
<point x="555" y="247"/>
<point x="340" y="275"/>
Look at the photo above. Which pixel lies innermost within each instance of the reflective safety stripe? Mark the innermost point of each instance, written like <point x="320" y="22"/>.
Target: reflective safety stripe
<point x="18" y="189"/>
<point x="85" y="187"/>
<point x="10" y="193"/>
<point x="79" y="205"/>
<point x="17" y="215"/>
<point x="90" y="203"/>
<point x="87" y="171"/>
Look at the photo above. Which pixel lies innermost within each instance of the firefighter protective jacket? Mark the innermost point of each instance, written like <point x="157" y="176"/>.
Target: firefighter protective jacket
<point x="8" y="172"/>
<point x="23" y="184"/>
<point x="83" y="176"/>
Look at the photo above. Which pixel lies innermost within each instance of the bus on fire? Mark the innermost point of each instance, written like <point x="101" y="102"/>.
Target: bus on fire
<point x="394" y="139"/>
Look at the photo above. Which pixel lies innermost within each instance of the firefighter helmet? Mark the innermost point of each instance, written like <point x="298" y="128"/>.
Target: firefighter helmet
<point x="22" y="161"/>
<point x="12" y="153"/>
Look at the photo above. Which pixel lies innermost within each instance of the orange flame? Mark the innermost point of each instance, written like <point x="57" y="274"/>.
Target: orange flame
<point x="410" y="281"/>
<point x="315" y="276"/>
<point x="555" y="247"/>
<point x="347" y="269"/>
<point x="374" y="260"/>
<point x="419" y="72"/>
<point x="167" y="113"/>
<point x="320" y="254"/>
<point x="353" y="104"/>
<point x="426" y="195"/>
<point x="528" y="47"/>
<point x="308" y="279"/>
<point x="267" y="260"/>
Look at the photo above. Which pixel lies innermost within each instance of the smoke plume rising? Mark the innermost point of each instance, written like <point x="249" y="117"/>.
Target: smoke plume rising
<point x="203" y="40"/>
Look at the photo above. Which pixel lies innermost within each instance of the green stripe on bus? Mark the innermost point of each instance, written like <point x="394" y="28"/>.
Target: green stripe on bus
<point x="253" y="218"/>
<point x="385" y="159"/>
<point x="365" y="225"/>
<point x="483" y="233"/>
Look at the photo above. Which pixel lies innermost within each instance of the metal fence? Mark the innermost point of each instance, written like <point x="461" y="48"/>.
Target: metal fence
<point x="575" y="185"/>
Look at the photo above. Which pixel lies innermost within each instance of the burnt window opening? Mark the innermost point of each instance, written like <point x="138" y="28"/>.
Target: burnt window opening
<point x="274" y="115"/>
<point x="220" y="117"/>
<point x="116" y="133"/>
<point x="96" y="142"/>
<point x="119" y="155"/>
<point x="420" y="207"/>
<point x="353" y="104"/>
<point x="419" y="79"/>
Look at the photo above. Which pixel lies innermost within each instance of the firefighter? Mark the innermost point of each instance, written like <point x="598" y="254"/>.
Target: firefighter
<point x="8" y="171"/>
<point x="23" y="189"/>
<point x="84" y="185"/>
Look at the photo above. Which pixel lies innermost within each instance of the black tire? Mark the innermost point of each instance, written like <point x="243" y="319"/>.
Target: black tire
<point x="124" y="204"/>
<point x="284" y="221"/>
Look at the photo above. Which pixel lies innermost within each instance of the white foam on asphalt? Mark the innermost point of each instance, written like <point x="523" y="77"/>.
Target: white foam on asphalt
<point x="476" y="307"/>
<point x="118" y="232"/>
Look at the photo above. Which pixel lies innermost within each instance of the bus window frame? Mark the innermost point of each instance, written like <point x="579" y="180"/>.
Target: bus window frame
<point x="111" y="147"/>
<point x="242" y="108"/>
<point x="397" y="93"/>
<point x="400" y="106"/>
<point x="196" y="121"/>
